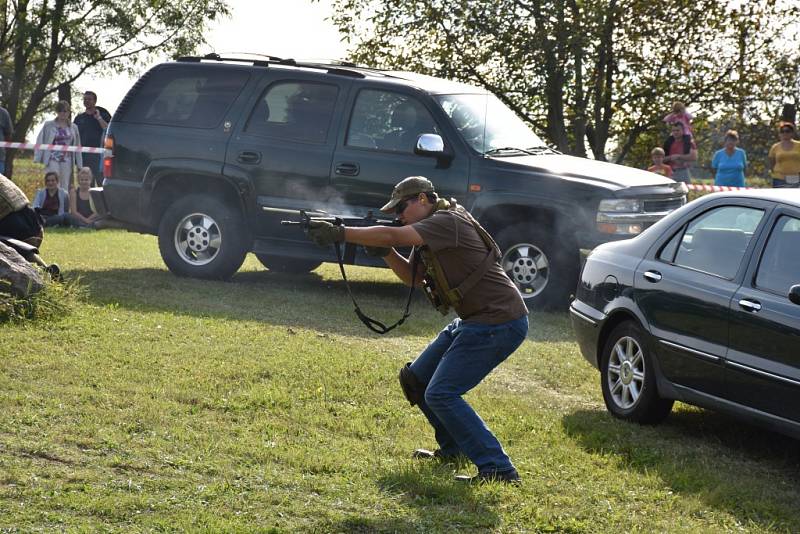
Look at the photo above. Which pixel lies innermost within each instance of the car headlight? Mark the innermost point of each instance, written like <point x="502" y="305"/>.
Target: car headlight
<point x="620" y="205"/>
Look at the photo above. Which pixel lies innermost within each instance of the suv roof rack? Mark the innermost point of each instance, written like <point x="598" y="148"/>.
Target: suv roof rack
<point x="331" y="66"/>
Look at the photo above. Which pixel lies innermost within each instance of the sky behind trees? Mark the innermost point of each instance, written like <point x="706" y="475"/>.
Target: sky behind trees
<point x="276" y="27"/>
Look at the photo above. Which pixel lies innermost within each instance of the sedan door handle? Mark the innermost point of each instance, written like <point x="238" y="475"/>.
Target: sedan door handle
<point x="250" y="157"/>
<point x="347" y="169"/>
<point x="750" y="305"/>
<point x="652" y="276"/>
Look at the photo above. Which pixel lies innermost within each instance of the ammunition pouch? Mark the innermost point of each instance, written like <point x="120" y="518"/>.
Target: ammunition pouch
<point x="413" y="389"/>
<point x="435" y="284"/>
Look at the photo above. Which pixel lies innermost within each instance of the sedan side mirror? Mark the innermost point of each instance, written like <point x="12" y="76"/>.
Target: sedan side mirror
<point x="794" y="294"/>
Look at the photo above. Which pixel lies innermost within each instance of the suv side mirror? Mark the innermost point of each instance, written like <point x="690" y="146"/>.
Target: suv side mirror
<point x="794" y="294"/>
<point x="429" y="145"/>
<point x="433" y="145"/>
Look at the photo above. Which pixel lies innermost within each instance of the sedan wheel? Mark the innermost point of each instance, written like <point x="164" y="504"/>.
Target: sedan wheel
<point x="626" y="372"/>
<point x="628" y="376"/>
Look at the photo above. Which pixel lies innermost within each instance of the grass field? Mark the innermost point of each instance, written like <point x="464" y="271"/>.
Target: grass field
<point x="263" y="405"/>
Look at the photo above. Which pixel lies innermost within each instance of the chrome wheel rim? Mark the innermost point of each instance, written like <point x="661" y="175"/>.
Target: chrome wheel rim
<point x="626" y="372"/>
<point x="198" y="239"/>
<point x="528" y="267"/>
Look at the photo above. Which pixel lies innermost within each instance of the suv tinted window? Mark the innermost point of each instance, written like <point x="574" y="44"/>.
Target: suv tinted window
<point x="388" y="121"/>
<point x="780" y="264"/>
<point x="299" y="111"/>
<point x="715" y="241"/>
<point x="185" y="96"/>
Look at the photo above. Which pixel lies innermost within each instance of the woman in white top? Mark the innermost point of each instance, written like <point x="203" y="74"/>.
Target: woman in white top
<point x="60" y="131"/>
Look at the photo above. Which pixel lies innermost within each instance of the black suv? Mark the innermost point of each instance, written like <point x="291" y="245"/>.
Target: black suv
<point x="211" y="153"/>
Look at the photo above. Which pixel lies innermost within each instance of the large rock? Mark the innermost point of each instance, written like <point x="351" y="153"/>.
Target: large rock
<point x="23" y="277"/>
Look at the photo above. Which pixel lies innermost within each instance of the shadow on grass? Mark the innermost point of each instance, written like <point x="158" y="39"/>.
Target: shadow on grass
<point x="292" y="300"/>
<point x="747" y="471"/>
<point x="282" y="299"/>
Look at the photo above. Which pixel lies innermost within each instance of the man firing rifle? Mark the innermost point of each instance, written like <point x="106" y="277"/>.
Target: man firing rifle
<point x="459" y="269"/>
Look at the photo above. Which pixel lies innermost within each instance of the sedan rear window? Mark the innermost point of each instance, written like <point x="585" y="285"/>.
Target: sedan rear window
<point x="780" y="264"/>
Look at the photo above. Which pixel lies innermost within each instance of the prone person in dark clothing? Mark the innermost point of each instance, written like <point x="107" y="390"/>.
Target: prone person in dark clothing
<point x="459" y="268"/>
<point x="18" y="220"/>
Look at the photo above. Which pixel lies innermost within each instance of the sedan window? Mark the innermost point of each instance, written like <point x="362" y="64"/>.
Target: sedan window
<point x="780" y="264"/>
<point x="715" y="242"/>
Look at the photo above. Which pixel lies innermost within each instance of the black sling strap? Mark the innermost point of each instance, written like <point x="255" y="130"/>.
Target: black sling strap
<point x="373" y="324"/>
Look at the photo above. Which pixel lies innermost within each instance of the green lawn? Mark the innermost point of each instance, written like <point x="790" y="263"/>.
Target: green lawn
<point x="262" y="404"/>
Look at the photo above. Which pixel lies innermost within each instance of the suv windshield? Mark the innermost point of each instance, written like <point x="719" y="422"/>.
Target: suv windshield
<point x="488" y="125"/>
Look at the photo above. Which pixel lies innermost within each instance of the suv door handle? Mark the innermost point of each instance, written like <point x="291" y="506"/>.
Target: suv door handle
<point x="347" y="169"/>
<point x="652" y="276"/>
<point x="249" y="156"/>
<point x="750" y="305"/>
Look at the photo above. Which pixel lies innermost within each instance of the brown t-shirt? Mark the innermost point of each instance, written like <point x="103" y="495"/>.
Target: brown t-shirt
<point x="460" y="249"/>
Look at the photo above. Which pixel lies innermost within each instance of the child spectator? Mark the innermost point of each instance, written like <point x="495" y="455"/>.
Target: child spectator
<point x="81" y="209"/>
<point x="52" y="202"/>
<point x="658" y="166"/>
<point x="679" y="114"/>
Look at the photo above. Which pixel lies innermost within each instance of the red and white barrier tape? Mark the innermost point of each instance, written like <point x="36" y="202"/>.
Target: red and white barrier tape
<point x="53" y="148"/>
<point x="712" y="188"/>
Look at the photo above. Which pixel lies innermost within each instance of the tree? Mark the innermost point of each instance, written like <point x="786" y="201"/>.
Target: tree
<point x="584" y="72"/>
<point x="46" y="43"/>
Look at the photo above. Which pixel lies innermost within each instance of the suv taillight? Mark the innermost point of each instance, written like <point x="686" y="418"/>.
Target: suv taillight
<point x="108" y="157"/>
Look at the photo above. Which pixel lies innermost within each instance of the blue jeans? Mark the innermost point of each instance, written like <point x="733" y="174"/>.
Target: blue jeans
<point x="454" y="363"/>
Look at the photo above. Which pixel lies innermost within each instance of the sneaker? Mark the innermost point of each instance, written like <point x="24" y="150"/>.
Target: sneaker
<point x="425" y="454"/>
<point x="509" y="477"/>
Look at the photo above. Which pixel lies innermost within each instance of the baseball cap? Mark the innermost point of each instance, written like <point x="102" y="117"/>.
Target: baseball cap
<point x="413" y="185"/>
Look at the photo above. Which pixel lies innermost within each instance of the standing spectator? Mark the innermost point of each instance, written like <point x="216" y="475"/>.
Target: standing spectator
<point x="679" y="114"/>
<point x="680" y="152"/>
<point x="81" y="209"/>
<point x="92" y="125"/>
<point x="729" y="163"/>
<point x="658" y="166"/>
<point x="784" y="158"/>
<point x="59" y="131"/>
<point x="8" y="130"/>
<point x="52" y="202"/>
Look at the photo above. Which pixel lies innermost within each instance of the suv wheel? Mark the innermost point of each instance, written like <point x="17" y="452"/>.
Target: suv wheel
<point x="202" y="237"/>
<point x="283" y="264"/>
<point x="544" y="272"/>
<point x="628" y="377"/>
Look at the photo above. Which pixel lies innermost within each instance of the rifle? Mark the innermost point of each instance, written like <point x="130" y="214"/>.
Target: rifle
<point x="370" y="220"/>
<point x="338" y="220"/>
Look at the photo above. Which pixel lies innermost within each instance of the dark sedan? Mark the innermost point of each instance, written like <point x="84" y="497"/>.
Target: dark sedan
<point x="703" y="307"/>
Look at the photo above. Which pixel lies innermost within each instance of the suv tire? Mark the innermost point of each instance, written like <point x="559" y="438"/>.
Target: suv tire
<point x="202" y="237"/>
<point x="544" y="271"/>
<point x="282" y="264"/>
<point x="628" y="377"/>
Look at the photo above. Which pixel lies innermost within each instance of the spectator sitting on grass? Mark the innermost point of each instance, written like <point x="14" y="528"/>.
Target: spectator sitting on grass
<point x="729" y="163"/>
<point x="81" y="208"/>
<point x="658" y="166"/>
<point x="52" y="202"/>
